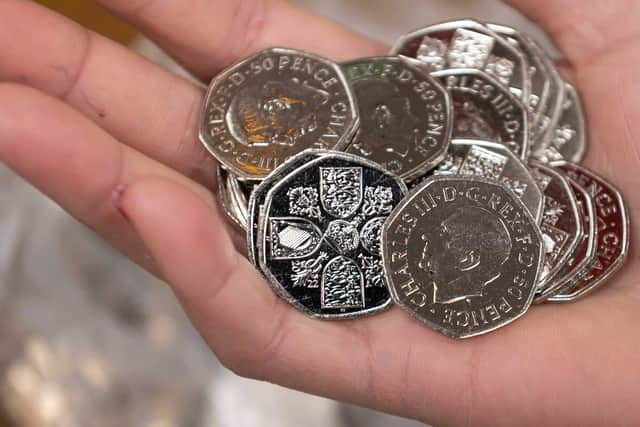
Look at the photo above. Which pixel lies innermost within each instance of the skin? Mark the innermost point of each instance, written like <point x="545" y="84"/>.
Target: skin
<point x="112" y="139"/>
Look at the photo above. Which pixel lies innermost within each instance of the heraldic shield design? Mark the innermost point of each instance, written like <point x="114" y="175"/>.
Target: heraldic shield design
<point x="323" y="236"/>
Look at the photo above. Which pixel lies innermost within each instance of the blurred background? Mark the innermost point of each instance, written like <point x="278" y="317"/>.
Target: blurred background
<point x="88" y="339"/>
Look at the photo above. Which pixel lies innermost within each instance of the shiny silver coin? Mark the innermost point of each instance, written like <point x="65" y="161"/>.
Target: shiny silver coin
<point x="570" y="137"/>
<point x="405" y="115"/>
<point x="233" y="196"/>
<point x="320" y="235"/>
<point x="543" y="130"/>
<point x="538" y="73"/>
<point x="468" y="44"/>
<point x="496" y="162"/>
<point x="273" y="105"/>
<point x="463" y="255"/>
<point x="585" y="252"/>
<point x="259" y="195"/>
<point x="561" y="224"/>
<point x="613" y="233"/>
<point x="485" y="110"/>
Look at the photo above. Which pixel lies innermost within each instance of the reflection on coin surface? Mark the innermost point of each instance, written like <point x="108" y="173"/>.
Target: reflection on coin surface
<point x="319" y="235"/>
<point x="483" y="109"/>
<point x="561" y="223"/>
<point x="233" y="196"/>
<point x="468" y="44"/>
<point x="569" y="141"/>
<point x="586" y="251"/>
<point x="538" y="74"/>
<point x="613" y="233"/>
<point x="273" y="105"/>
<point x="463" y="255"/>
<point x="496" y="162"/>
<point x="405" y="115"/>
<point x="259" y="195"/>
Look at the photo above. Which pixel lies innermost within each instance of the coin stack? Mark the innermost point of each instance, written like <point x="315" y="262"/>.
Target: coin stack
<point x="443" y="178"/>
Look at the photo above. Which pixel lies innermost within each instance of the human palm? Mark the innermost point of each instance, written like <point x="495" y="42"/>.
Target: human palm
<point x="112" y="138"/>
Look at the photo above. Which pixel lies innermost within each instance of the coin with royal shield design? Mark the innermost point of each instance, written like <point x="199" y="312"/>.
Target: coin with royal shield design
<point x="405" y="115"/>
<point x="273" y="105"/>
<point x="484" y="110"/>
<point x="463" y="255"/>
<point x="468" y="44"/>
<point x="496" y="162"/>
<point x="319" y="235"/>
<point x="612" y="244"/>
<point x="561" y="223"/>
<point x="259" y="195"/>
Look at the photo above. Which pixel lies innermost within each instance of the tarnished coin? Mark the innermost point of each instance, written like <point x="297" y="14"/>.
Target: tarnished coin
<point x="613" y="233"/>
<point x="483" y="109"/>
<point x="538" y="75"/>
<point x="569" y="141"/>
<point x="496" y="162"/>
<point x="463" y="255"/>
<point x="468" y="44"/>
<point x="320" y="235"/>
<point x="259" y="195"/>
<point x="233" y="196"/>
<point x="561" y="224"/>
<point x="273" y="105"/>
<point x="585" y="252"/>
<point x="405" y="115"/>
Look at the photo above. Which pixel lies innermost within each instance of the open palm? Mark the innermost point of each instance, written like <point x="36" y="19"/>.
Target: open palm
<point x="112" y="138"/>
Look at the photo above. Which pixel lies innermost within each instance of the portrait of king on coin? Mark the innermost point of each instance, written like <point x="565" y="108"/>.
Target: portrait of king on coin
<point x="273" y="105"/>
<point x="463" y="255"/>
<point x="405" y="115"/>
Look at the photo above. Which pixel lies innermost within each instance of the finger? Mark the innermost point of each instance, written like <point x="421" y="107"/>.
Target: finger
<point x="75" y="163"/>
<point x="585" y="30"/>
<point x="388" y="361"/>
<point x="258" y="335"/>
<point x="206" y="36"/>
<point x="139" y="103"/>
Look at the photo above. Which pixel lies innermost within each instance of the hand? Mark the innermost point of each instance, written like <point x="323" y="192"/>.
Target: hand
<point x="113" y="139"/>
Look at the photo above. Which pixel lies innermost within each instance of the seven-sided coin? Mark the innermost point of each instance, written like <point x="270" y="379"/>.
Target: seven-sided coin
<point x="462" y="254"/>
<point x="468" y="44"/>
<point x="273" y="105"/>
<point x="405" y="115"/>
<point x="320" y="235"/>
<point x="613" y="233"/>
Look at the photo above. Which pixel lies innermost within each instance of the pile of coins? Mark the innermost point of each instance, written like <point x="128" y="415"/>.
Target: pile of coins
<point x="443" y="178"/>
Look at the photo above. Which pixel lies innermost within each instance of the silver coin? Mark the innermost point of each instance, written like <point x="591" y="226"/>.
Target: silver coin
<point x="273" y="105"/>
<point x="585" y="252"/>
<point x="538" y="74"/>
<point x="570" y="137"/>
<point x="231" y="201"/>
<point x="463" y="255"/>
<point x="259" y="195"/>
<point x="468" y="44"/>
<point x="320" y="235"/>
<point x="405" y="115"/>
<point x="543" y="130"/>
<point x="496" y="162"/>
<point x="484" y="110"/>
<point x="613" y="233"/>
<point x="561" y="224"/>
